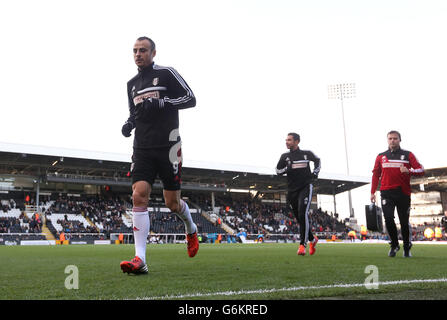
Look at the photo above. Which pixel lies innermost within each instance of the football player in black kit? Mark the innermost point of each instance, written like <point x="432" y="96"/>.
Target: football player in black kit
<point x="295" y="164"/>
<point x="156" y="94"/>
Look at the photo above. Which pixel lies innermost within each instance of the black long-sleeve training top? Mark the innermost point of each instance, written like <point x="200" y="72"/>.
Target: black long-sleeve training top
<point x="296" y="165"/>
<point x="157" y="126"/>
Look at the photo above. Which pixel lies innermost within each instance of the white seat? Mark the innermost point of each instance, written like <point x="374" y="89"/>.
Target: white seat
<point x="70" y="217"/>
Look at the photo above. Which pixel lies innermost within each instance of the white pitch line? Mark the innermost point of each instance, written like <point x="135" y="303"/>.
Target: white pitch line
<point x="273" y="290"/>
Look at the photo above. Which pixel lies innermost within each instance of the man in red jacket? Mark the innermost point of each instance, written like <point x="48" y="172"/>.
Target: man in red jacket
<point x="394" y="169"/>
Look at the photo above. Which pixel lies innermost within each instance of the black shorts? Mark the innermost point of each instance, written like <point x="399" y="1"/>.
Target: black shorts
<point x="162" y="163"/>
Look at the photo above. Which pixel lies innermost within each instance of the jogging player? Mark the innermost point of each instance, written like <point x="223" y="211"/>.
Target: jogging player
<point x="394" y="169"/>
<point x="156" y="94"/>
<point x="295" y="164"/>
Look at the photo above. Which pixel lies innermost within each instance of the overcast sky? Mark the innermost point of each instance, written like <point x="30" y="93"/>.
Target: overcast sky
<point x="259" y="69"/>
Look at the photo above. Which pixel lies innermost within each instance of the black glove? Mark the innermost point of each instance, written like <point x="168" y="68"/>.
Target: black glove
<point x="147" y="105"/>
<point x="127" y="128"/>
<point x="314" y="176"/>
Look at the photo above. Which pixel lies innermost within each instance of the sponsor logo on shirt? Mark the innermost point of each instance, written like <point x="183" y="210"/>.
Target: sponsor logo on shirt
<point x="151" y="94"/>
<point x="392" y="165"/>
<point x="299" y="165"/>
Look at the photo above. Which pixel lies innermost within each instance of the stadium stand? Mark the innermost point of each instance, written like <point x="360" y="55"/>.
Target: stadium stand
<point x="242" y="213"/>
<point x="94" y="217"/>
<point x="16" y="226"/>
<point x="87" y="214"/>
<point x="163" y="221"/>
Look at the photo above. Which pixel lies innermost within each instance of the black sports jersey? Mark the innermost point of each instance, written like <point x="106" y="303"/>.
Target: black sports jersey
<point x="296" y="165"/>
<point x="157" y="126"/>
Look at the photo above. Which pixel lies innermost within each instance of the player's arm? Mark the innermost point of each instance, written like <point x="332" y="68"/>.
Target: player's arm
<point x="281" y="167"/>
<point x="377" y="172"/>
<point x="317" y="164"/>
<point x="180" y="94"/>
<point x="130" y="124"/>
<point x="416" y="168"/>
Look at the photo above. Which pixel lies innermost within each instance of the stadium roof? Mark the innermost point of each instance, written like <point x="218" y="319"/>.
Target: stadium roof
<point x="434" y="180"/>
<point x="102" y="168"/>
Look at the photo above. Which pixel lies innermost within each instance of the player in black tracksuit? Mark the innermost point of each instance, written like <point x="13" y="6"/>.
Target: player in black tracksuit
<point x="295" y="164"/>
<point x="155" y="95"/>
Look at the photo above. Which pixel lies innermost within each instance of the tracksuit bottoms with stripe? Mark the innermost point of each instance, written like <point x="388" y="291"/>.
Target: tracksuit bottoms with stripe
<point x="300" y="201"/>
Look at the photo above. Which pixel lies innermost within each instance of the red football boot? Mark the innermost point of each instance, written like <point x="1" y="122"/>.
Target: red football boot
<point x="301" y="250"/>
<point x="136" y="266"/>
<point x="192" y="244"/>
<point x="312" y="245"/>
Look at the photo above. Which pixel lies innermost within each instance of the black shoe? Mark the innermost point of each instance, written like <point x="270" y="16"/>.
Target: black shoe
<point x="393" y="251"/>
<point x="407" y="253"/>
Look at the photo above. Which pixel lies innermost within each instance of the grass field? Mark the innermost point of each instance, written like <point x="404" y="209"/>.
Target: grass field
<point x="249" y="271"/>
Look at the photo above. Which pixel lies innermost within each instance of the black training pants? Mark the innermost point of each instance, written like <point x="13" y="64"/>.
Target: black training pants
<point x="392" y="199"/>
<point x="300" y="201"/>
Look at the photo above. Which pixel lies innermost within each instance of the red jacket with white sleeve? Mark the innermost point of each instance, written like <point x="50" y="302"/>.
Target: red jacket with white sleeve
<point x="387" y="170"/>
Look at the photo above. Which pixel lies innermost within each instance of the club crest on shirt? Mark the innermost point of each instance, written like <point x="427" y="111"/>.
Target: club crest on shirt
<point x="383" y="158"/>
<point x="305" y="157"/>
<point x="155" y="81"/>
<point x="402" y="157"/>
<point x="383" y="201"/>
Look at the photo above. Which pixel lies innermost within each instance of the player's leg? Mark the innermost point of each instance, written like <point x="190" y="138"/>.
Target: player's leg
<point x="304" y="201"/>
<point x="307" y="201"/>
<point x="143" y="174"/>
<point x="313" y="240"/>
<point x="140" y="217"/>
<point x="403" y="211"/>
<point x="181" y="209"/>
<point x="170" y="164"/>
<point x="178" y="206"/>
<point x="303" y="215"/>
<point x="388" y="206"/>
<point x="141" y="225"/>
<point x="303" y="220"/>
<point x="292" y="198"/>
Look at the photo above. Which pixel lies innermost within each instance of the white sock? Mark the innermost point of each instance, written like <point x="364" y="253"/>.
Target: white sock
<point x="141" y="226"/>
<point x="185" y="216"/>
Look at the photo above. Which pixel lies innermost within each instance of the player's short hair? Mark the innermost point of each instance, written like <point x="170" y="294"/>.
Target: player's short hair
<point x="150" y="41"/>
<point x="295" y="136"/>
<point x="394" y="132"/>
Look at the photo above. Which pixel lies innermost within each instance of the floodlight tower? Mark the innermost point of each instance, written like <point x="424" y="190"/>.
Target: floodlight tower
<point x="343" y="91"/>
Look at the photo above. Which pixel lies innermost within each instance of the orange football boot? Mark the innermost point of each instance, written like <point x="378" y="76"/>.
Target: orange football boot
<point x="312" y="245"/>
<point x="136" y="266"/>
<point x="301" y="250"/>
<point x="192" y="244"/>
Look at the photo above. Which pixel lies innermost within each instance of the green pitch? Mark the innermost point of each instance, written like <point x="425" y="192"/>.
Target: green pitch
<point x="256" y="271"/>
